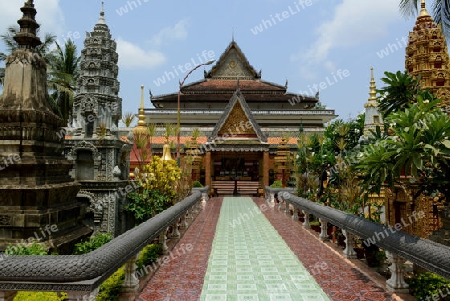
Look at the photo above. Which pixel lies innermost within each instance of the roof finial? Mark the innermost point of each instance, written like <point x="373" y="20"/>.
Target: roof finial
<point x="232" y="34"/>
<point x="26" y="37"/>
<point x="101" y="19"/>
<point x="141" y="128"/>
<point x="423" y="9"/>
<point x="373" y="88"/>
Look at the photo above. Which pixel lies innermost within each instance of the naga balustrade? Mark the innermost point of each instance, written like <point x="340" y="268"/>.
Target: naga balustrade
<point x="399" y="245"/>
<point x="81" y="275"/>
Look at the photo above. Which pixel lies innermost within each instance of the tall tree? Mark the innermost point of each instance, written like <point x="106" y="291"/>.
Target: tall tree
<point x="63" y="73"/>
<point x="440" y="11"/>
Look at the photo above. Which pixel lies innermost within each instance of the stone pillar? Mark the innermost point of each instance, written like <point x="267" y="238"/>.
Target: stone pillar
<point x="208" y="169"/>
<point x="349" y="252"/>
<point x="323" y="236"/>
<point x="131" y="282"/>
<point x="82" y="296"/>
<point x="163" y="242"/>
<point x="183" y="223"/>
<point x="306" y="224"/>
<point x="7" y="295"/>
<point x="295" y="214"/>
<point x="396" y="283"/>
<point x="266" y="168"/>
<point x="175" y="233"/>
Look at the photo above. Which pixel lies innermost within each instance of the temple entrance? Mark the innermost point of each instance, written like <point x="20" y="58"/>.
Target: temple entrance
<point x="237" y="173"/>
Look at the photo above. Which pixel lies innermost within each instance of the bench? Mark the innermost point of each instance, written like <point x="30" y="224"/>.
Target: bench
<point x="227" y="187"/>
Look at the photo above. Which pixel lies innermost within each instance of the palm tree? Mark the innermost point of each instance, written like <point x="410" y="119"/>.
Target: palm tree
<point x="440" y="11"/>
<point x="63" y="73"/>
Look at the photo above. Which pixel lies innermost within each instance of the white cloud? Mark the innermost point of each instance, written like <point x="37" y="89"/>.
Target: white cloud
<point x="354" y="22"/>
<point x="131" y="56"/>
<point x="171" y="33"/>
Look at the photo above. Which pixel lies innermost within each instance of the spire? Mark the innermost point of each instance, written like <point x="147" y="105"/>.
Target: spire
<point x="101" y="19"/>
<point x="141" y="127"/>
<point x="373" y="88"/>
<point x="26" y="37"/>
<point x="423" y="10"/>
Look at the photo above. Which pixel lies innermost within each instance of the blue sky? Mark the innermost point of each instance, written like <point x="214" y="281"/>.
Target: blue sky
<point x="311" y="43"/>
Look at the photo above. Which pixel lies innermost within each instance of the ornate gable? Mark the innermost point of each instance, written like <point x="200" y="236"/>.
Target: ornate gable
<point x="233" y="64"/>
<point x="237" y="122"/>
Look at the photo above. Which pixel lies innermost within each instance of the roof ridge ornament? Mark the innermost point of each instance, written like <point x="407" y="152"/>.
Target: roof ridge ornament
<point x="101" y="19"/>
<point x="423" y="9"/>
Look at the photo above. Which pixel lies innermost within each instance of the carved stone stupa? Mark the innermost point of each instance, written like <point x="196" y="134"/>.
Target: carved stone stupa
<point x="100" y="155"/>
<point x="36" y="191"/>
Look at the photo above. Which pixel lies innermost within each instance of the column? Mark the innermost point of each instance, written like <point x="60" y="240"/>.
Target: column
<point x="323" y="229"/>
<point x="131" y="282"/>
<point x="82" y="296"/>
<point x="306" y="224"/>
<point x="266" y="168"/>
<point x="208" y="169"/>
<point x="396" y="283"/>
<point x="349" y="252"/>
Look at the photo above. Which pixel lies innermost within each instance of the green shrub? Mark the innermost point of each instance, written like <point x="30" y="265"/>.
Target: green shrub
<point x="93" y="243"/>
<point x="428" y="285"/>
<point x="277" y="184"/>
<point x="26" y="249"/>
<point x="39" y="296"/>
<point x="149" y="255"/>
<point x="110" y="289"/>
<point x="197" y="184"/>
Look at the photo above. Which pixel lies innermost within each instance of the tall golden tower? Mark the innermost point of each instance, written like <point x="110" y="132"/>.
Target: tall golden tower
<point x="427" y="54"/>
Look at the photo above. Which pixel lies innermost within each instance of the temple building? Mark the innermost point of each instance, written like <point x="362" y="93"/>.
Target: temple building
<point x="427" y="56"/>
<point x="99" y="154"/>
<point x="241" y="117"/>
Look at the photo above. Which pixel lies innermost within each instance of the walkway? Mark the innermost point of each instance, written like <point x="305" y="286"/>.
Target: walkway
<point x="182" y="279"/>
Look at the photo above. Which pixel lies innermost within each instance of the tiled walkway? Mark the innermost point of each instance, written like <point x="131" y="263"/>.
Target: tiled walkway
<point x="183" y="277"/>
<point x="250" y="260"/>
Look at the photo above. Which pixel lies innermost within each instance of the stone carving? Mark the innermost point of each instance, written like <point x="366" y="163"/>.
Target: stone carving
<point x="5" y="220"/>
<point x="237" y="117"/>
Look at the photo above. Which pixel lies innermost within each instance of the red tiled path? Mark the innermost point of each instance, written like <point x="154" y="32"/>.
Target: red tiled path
<point x="182" y="278"/>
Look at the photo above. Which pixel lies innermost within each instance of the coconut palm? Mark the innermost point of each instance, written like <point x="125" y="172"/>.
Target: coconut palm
<point x="440" y="11"/>
<point x="63" y="73"/>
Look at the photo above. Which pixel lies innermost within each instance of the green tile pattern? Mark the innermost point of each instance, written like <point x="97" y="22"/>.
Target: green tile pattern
<point x="250" y="261"/>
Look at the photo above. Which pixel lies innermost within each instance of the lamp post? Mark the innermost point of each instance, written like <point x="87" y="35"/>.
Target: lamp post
<point x="178" y="112"/>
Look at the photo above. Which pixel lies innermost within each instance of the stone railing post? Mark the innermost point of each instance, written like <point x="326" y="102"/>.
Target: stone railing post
<point x="131" y="282"/>
<point x="183" y="222"/>
<point x="272" y="197"/>
<point x="306" y="224"/>
<point x="163" y="242"/>
<point x="349" y="252"/>
<point x="287" y="209"/>
<point x="396" y="283"/>
<point x="323" y="236"/>
<point x="204" y="197"/>
<point x="175" y="233"/>
<point x="82" y="296"/>
<point x="295" y="213"/>
<point x="7" y="295"/>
